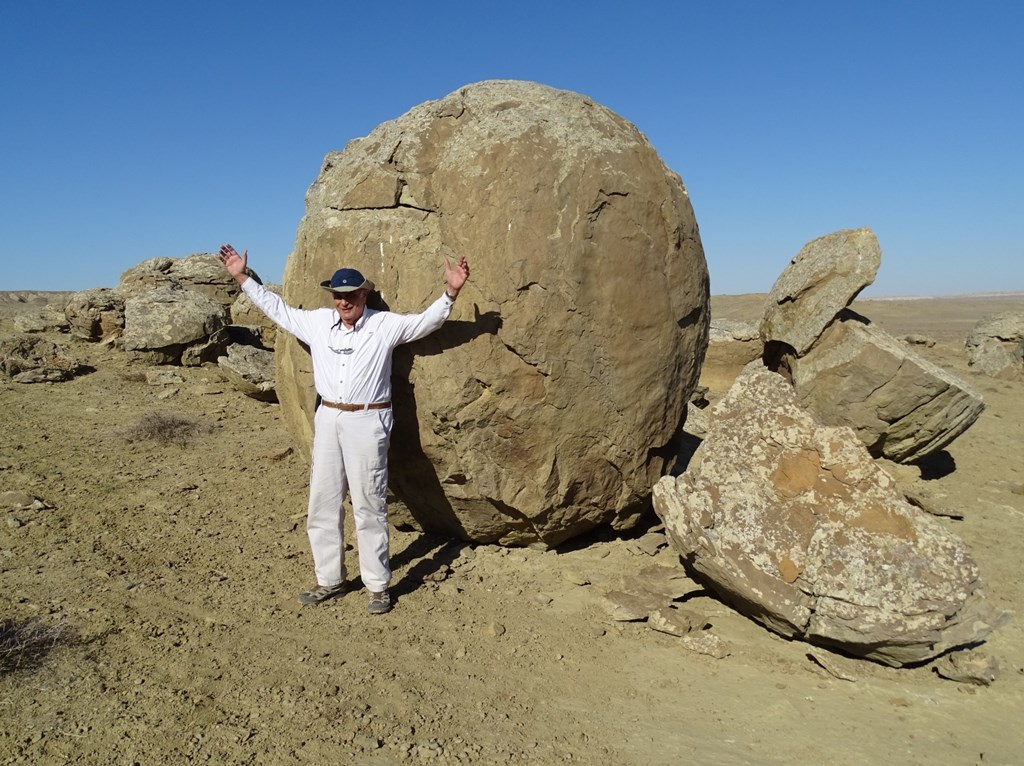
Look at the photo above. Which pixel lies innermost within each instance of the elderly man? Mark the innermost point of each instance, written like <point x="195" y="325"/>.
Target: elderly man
<point x="351" y="347"/>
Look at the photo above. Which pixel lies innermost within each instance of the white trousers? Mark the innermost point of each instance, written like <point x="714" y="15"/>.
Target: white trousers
<point x="350" y="454"/>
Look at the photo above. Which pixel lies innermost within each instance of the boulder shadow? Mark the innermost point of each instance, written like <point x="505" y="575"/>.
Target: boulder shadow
<point x="936" y="465"/>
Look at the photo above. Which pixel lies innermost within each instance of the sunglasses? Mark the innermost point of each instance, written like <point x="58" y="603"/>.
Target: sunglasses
<point x="349" y="296"/>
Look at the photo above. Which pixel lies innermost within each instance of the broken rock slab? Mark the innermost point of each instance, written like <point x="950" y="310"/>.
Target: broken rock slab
<point x="794" y="524"/>
<point x="676" y="622"/>
<point x="250" y="370"/>
<point x="900" y="405"/>
<point x="968" y="668"/>
<point x="652" y="588"/>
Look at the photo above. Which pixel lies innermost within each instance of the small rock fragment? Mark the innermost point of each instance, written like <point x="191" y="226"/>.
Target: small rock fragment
<point x="495" y="629"/>
<point x="706" y="642"/>
<point x="968" y="668"/>
<point x="279" y="454"/>
<point x="830" y="665"/>
<point x="627" y="607"/>
<point x="651" y="543"/>
<point x="675" y="622"/>
<point x="575" y="577"/>
<point x="438" y="575"/>
<point x="16" y="500"/>
<point x="923" y="497"/>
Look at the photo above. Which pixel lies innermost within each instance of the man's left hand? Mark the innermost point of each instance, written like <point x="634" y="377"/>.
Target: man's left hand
<point x="456" y="275"/>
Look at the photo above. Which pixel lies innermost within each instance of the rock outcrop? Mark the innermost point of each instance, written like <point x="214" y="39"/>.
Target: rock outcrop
<point x="49" y="318"/>
<point x="162" y="324"/>
<point x="794" y="524"/>
<point x="733" y="344"/>
<point x="201" y="272"/>
<point x="995" y="346"/>
<point x="96" y="314"/>
<point x="30" y="359"/>
<point x="847" y="371"/>
<point x="552" y="399"/>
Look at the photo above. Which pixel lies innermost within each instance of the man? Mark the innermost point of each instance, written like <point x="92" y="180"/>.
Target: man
<point x="351" y="347"/>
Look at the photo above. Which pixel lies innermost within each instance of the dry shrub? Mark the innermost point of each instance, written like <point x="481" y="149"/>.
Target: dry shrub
<point x="166" y="428"/>
<point x="24" y="644"/>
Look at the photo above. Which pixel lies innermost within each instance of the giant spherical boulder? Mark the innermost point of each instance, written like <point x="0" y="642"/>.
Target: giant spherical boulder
<point x="551" y="400"/>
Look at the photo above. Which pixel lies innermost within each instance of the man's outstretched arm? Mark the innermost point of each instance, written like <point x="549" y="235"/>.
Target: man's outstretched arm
<point x="295" y="321"/>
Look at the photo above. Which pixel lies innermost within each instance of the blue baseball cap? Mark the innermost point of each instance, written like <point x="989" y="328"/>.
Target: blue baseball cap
<point x="345" y="281"/>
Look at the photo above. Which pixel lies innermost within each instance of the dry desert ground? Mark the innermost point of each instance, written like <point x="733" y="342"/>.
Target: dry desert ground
<point x="171" y="566"/>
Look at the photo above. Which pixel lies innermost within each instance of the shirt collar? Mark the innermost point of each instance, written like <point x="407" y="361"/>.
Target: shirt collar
<point x="339" y="325"/>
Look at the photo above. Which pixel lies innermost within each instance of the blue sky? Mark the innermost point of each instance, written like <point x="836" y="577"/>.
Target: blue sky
<point x="133" y="130"/>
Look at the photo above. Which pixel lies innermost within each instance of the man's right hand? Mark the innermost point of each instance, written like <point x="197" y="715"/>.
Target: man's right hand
<point x="234" y="263"/>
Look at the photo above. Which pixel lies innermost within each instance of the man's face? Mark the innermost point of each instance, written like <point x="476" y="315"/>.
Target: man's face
<point x="350" y="305"/>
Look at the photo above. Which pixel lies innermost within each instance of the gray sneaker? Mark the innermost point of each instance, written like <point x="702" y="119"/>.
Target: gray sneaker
<point x="322" y="593"/>
<point x="380" y="603"/>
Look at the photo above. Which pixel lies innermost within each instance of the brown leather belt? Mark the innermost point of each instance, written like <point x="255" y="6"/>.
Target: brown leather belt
<point x="355" y="407"/>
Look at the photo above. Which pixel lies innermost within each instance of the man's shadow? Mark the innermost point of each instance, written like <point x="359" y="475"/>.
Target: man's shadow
<point x="417" y="484"/>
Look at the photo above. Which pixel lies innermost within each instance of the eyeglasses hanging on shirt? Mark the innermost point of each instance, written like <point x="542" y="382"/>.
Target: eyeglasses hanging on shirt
<point x="331" y="340"/>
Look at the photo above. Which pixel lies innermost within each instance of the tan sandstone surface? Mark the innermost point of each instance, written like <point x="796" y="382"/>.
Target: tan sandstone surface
<point x="174" y="571"/>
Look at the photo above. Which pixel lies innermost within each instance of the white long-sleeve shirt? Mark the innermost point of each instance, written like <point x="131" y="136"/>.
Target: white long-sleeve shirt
<point x="350" y="366"/>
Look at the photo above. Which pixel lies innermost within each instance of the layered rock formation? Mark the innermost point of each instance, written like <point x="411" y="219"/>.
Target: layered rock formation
<point x="794" y="524"/>
<point x="901" y="406"/>
<point x="550" y="401"/>
<point x="733" y="343"/>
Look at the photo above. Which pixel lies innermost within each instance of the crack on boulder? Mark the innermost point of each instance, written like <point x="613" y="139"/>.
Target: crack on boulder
<point x="528" y="285"/>
<point x="595" y="213"/>
<point x="526" y="361"/>
<point x="396" y="206"/>
<point x="394" y="152"/>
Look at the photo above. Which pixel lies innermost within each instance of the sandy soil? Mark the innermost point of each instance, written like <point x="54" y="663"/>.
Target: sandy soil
<point x="175" y="572"/>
